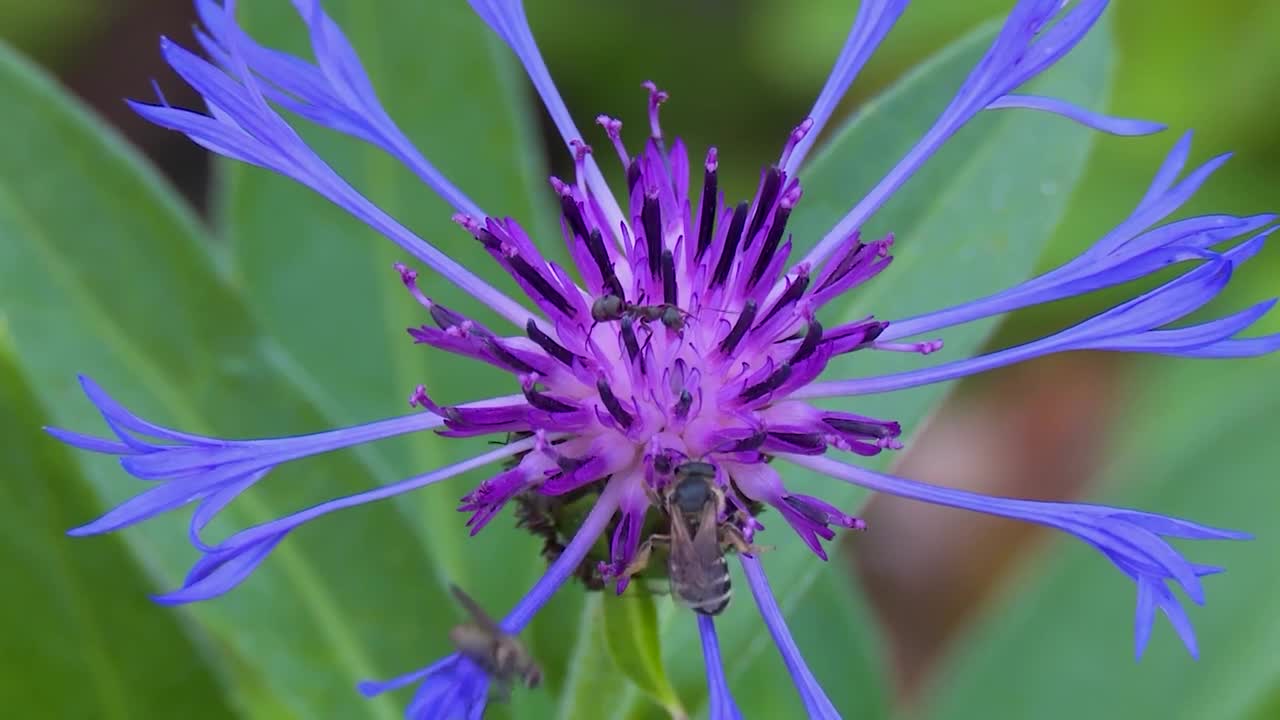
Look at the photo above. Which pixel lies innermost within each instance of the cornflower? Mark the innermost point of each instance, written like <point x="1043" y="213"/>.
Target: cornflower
<point x="685" y="333"/>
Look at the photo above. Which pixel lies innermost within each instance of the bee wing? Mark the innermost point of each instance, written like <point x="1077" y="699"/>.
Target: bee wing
<point x="694" y="554"/>
<point x="477" y="613"/>
<point x="706" y="541"/>
<point x="683" y="559"/>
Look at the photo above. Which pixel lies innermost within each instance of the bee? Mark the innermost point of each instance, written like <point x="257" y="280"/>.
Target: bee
<point x="696" y="568"/>
<point x="500" y="654"/>
<point x="611" y="307"/>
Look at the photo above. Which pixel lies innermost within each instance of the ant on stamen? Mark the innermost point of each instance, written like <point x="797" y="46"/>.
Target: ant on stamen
<point x="608" y="308"/>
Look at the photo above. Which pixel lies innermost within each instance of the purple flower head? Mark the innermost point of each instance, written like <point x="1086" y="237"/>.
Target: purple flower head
<point x="684" y="335"/>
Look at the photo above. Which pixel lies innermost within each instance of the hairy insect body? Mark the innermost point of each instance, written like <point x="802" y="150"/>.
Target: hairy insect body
<point x="697" y="572"/>
<point x="611" y="307"/>
<point x="499" y="653"/>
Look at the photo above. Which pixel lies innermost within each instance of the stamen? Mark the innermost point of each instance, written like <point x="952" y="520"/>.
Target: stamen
<point x="730" y="249"/>
<point x="455" y="323"/>
<point x="580" y="152"/>
<point x="801" y="443"/>
<point x="842" y="268"/>
<point x="409" y="277"/>
<point x="790" y="295"/>
<point x="505" y="356"/>
<point x="548" y="344"/>
<point x="595" y="246"/>
<point x="541" y="285"/>
<point x="776" y="231"/>
<point x="746" y="444"/>
<point x="420" y="398"/>
<point x="651" y="220"/>
<point x="628" y="333"/>
<point x="656" y="98"/>
<point x="633" y="175"/>
<point x="770" y="184"/>
<point x="864" y="428"/>
<point x="662" y="463"/>
<point x="613" y="405"/>
<point x="683" y="403"/>
<point x="541" y="401"/>
<point x="924" y="348"/>
<point x="709" y="201"/>
<point x="613" y="128"/>
<point x="856" y="337"/>
<point x="794" y="139"/>
<point x="570" y="209"/>
<point x="669" y="289"/>
<point x="739" y="328"/>
<point x="768" y="385"/>
<point x="468" y="223"/>
<point x="810" y="343"/>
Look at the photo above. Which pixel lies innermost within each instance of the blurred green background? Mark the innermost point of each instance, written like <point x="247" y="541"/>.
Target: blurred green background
<point x="958" y="617"/>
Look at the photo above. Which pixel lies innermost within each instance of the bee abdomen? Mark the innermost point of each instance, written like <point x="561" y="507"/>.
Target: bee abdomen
<point x="712" y="597"/>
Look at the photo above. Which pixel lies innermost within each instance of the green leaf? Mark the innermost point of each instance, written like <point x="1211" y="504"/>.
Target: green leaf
<point x="125" y="656"/>
<point x="592" y="674"/>
<point x="322" y="283"/>
<point x="102" y="270"/>
<point x="972" y="222"/>
<point x="1197" y="443"/>
<point x="631" y="633"/>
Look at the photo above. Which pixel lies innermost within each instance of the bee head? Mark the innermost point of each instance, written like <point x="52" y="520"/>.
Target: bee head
<point x="606" y="307"/>
<point x="694" y="486"/>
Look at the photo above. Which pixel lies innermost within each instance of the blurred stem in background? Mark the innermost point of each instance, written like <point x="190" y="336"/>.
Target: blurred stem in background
<point x="1212" y="67"/>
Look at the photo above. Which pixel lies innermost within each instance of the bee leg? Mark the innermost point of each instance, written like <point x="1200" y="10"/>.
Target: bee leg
<point x="732" y="536"/>
<point x="641" y="560"/>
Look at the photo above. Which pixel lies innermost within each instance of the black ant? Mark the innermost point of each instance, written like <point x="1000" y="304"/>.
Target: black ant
<point x="611" y="307"/>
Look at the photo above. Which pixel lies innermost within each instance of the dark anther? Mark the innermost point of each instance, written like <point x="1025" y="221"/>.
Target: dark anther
<point x="541" y="284"/>
<point x="846" y="264"/>
<point x="872" y="333"/>
<point x="595" y="246"/>
<point x="746" y="444"/>
<point x="668" y="278"/>
<point x="488" y="239"/>
<point x="771" y="242"/>
<point x="505" y="356"/>
<point x="859" y="427"/>
<point x="768" y="385"/>
<point x="662" y="464"/>
<point x="633" y="174"/>
<point x="547" y="403"/>
<point x="573" y="215"/>
<point x="548" y="343"/>
<point x="612" y="404"/>
<point x="739" y="328"/>
<point x="810" y="342"/>
<point x="707" y="218"/>
<point x="569" y="464"/>
<point x="788" y="297"/>
<point x="764" y="202"/>
<point x="651" y="220"/>
<point x="810" y="512"/>
<point x="629" y="337"/>
<point x="730" y="249"/>
<point x="447" y="318"/>
<point x="683" y="403"/>
<point x="807" y="443"/>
